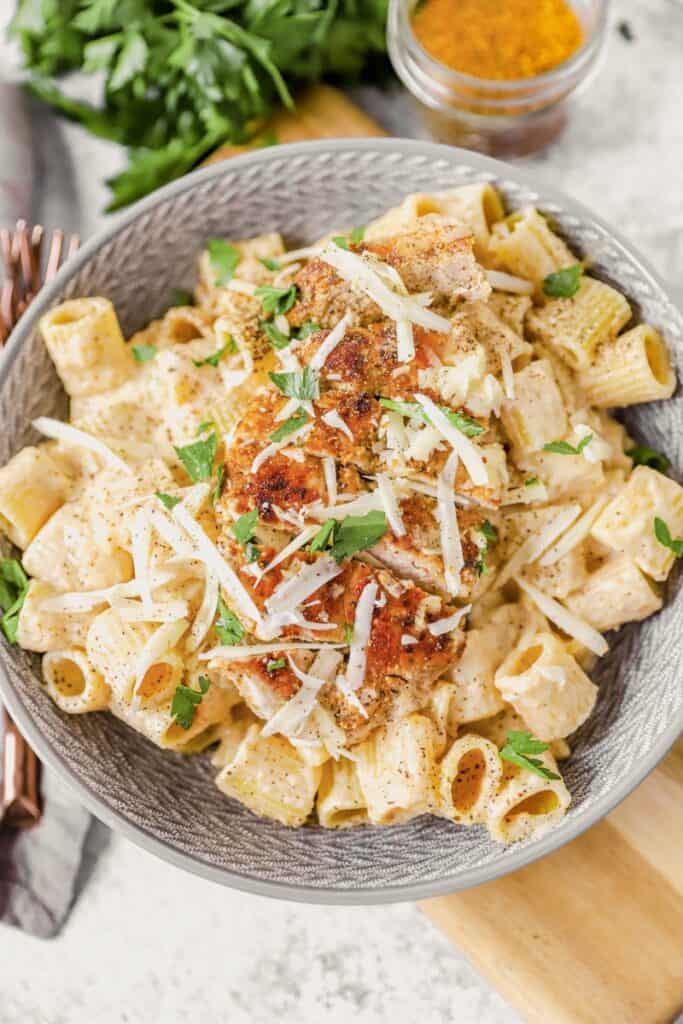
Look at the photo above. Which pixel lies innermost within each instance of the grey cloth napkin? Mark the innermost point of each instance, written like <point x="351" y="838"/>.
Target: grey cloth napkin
<point x="39" y="867"/>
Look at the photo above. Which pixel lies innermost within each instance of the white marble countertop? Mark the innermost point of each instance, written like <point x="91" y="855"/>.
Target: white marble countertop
<point x="147" y="943"/>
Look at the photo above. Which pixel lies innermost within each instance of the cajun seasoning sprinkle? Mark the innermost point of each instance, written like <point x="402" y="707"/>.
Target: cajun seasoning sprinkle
<point x="498" y="39"/>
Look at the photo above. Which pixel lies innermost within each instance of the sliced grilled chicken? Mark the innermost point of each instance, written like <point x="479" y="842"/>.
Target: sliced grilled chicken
<point x="434" y="256"/>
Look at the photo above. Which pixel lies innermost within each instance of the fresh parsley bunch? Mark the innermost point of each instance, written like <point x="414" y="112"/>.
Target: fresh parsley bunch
<point x="182" y="76"/>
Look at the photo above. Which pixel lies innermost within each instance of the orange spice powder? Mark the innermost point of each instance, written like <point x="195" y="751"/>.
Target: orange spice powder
<point x="499" y="39"/>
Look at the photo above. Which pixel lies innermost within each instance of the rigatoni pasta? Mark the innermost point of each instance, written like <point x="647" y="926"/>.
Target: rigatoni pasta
<point x="355" y="518"/>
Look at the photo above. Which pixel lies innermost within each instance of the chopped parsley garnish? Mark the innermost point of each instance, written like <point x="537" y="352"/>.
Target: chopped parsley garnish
<point x="357" y="235"/>
<point x="564" y="448"/>
<point x="563" y="284"/>
<point x="197" y="458"/>
<point x="347" y="536"/>
<point x="276" y="300"/>
<point x="532" y="481"/>
<point x="218" y="486"/>
<point x="465" y="424"/>
<point x="13" y="589"/>
<point x="180" y="297"/>
<point x="307" y="327"/>
<point x="348" y="632"/>
<point x="302" y="384"/>
<point x="224" y="259"/>
<point x="664" y="537"/>
<point x="229" y="629"/>
<point x="143" y="353"/>
<point x="644" y="456"/>
<point x="276" y="337"/>
<point x="275" y="663"/>
<point x="356" y="533"/>
<point x="206" y="425"/>
<point x="341" y="240"/>
<point x="167" y="500"/>
<point x="270" y="264"/>
<point x="185" y="701"/>
<point x="213" y="360"/>
<point x="243" y="528"/>
<point x="518" y="747"/>
<point x="490" y="535"/>
<point x="294" y="422"/>
<point x="323" y="537"/>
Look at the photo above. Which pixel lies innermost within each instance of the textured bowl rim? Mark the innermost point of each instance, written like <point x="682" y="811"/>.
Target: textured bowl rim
<point x="511" y="858"/>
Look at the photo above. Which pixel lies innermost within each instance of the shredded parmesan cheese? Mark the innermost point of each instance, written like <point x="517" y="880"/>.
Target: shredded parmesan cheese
<point x="330" y="471"/>
<point x="509" y="283"/>
<point x="579" y="530"/>
<point x="241" y="651"/>
<point x="468" y="452"/>
<point x="78" y="438"/>
<point x="330" y="343"/>
<point x="407" y="640"/>
<point x="442" y="626"/>
<point x="160" y="643"/>
<point x="207" y="612"/>
<point x="141" y="536"/>
<point x="293" y="591"/>
<point x="534" y="546"/>
<point x="290" y="719"/>
<point x="275" y="446"/>
<point x="210" y="555"/>
<point x="451" y="545"/>
<point x="508" y="374"/>
<point x="334" y="420"/>
<point x="565" y="620"/>
<point x="392" y="510"/>
<point x="362" y="627"/>
<point x="306" y="534"/>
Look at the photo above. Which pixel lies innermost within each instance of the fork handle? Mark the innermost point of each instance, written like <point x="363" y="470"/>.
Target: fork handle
<point x="20" y="804"/>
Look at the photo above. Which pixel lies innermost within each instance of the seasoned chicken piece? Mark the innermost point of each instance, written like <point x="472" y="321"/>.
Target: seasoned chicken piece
<point x="399" y="675"/>
<point x="417" y="555"/>
<point x="338" y="415"/>
<point x="366" y="358"/>
<point x="433" y="256"/>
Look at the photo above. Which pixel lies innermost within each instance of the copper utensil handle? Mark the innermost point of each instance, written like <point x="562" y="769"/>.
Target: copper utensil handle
<point x="20" y="805"/>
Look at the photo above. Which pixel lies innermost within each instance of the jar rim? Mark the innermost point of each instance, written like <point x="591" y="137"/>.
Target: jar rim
<point x="399" y="12"/>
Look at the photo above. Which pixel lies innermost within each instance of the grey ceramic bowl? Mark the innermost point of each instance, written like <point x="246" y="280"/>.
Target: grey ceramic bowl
<point x="169" y="805"/>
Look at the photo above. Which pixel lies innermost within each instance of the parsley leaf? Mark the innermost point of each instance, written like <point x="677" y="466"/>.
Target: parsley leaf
<point x="465" y="424"/>
<point x="197" y="458"/>
<point x="323" y="538"/>
<point x="563" y="284"/>
<point x="223" y="258"/>
<point x="299" y="418"/>
<point x="180" y="297"/>
<point x="357" y="235"/>
<point x="143" y="353"/>
<point x="229" y="629"/>
<point x="644" y="456"/>
<point x="302" y="384"/>
<point x="276" y="300"/>
<point x="489" y="531"/>
<point x="270" y="264"/>
<point x="186" y="700"/>
<point x="355" y="533"/>
<point x="518" y="747"/>
<point x="274" y="664"/>
<point x="532" y="481"/>
<point x="564" y="448"/>
<point x="243" y="528"/>
<point x="276" y="337"/>
<point x="308" y="327"/>
<point x="213" y="360"/>
<point x="348" y="633"/>
<point x="341" y="241"/>
<point x="14" y="585"/>
<point x="167" y="500"/>
<point x="664" y="537"/>
<point x="218" y="486"/>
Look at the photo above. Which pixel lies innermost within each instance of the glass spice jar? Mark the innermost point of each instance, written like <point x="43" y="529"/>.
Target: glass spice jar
<point x="504" y="118"/>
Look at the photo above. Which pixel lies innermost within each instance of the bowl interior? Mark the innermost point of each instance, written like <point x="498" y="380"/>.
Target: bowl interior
<point x="169" y="803"/>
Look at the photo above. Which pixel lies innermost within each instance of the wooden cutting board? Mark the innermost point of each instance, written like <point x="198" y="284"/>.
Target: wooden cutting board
<point x="592" y="934"/>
